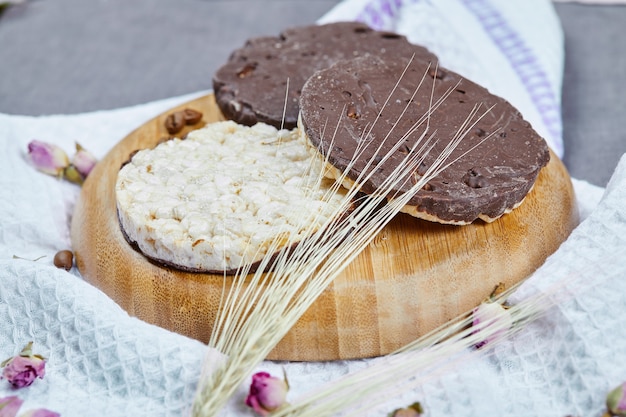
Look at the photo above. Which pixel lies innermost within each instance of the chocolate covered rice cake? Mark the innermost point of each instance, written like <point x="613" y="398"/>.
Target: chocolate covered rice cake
<point x="356" y="104"/>
<point x="262" y="80"/>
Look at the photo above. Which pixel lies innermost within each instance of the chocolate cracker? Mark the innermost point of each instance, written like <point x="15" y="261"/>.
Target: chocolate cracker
<point x="499" y="156"/>
<point x="257" y="79"/>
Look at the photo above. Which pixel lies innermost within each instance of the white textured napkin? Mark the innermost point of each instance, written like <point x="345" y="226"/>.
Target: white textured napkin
<point x="103" y="362"/>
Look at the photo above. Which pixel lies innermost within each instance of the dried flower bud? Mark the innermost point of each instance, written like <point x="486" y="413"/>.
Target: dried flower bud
<point x="616" y="401"/>
<point x="83" y="161"/>
<point x="414" y="410"/>
<point x="41" y="412"/>
<point x="267" y="393"/>
<point x="490" y="315"/>
<point x="9" y="406"/>
<point x="71" y="174"/>
<point x="21" y="370"/>
<point x="47" y="158"/>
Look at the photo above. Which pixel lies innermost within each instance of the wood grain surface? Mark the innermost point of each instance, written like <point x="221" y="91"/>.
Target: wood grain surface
<point x="415" y="276"/>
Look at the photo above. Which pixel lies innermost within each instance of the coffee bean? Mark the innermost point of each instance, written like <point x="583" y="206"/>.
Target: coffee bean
<point x="64" y="259"/>
<point x="175" y="122"/>
<point x="192" y="116"/>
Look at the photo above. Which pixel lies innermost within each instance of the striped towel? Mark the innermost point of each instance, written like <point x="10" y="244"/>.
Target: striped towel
<point x="487" y="41"/>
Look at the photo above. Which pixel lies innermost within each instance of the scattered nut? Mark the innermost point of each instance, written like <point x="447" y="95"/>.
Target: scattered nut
<point x="192" y="116"/>
<point x="175" y="122"/>
<point x="64" y="259"/>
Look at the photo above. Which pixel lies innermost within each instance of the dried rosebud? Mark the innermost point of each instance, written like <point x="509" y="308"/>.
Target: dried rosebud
<point x="47" y="158"/>
<point x="41" y="412"/>
<point x="71" y="174"/>
<point x="9" y="406"/>
<point x="490" y="315"/>
<point x="616" y="401"/>
<point x="267" y="393"/>
<point x="414" y="410"/>
<point x="21" y="370"/>
<point x="83" y="161"/>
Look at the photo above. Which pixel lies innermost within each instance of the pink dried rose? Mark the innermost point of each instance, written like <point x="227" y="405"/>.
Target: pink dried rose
<point x="267" y="393"/>
<point x="414" y="410"/>
<point x="48" y="158"/>
<point x="83" y="161"/>
<point x="616" y="401"/>
<point x="490" y="314"/>
<point x="41" y="412"/>
<point x="81" y="165"/>
<point x="23" y="369"/>
<point x="52" y="160"/>
<point x="71" y="174"/>
<point x="9" y="406"/>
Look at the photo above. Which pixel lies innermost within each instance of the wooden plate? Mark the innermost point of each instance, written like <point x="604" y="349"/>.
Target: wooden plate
<point x="415" y="276"/>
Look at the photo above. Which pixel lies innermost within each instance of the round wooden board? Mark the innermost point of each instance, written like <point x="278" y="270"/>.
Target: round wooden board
<point x="415" y="276"/>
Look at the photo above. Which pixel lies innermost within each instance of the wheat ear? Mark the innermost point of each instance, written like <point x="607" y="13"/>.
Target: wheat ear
<point x="262" y="307"/>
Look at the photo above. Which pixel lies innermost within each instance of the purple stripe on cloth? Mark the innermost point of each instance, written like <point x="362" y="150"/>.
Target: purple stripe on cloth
<point x="380" y="14"/>
<point x="524" y="63"/>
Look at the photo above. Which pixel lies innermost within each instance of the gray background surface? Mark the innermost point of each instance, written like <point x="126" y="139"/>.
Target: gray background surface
<point x="73" y="56"/>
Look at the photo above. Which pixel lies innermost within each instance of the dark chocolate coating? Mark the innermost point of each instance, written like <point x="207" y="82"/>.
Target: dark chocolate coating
<point x="251" y="87"/>
<point x="487" y="181"/>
